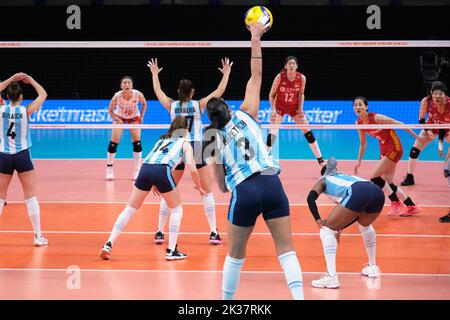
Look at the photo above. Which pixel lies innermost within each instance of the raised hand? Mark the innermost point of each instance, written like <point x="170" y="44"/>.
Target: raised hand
<point x="153" y="65"/>
<point x="19" y="76"/>
<point x="226" y="66"/>
<point x="257" y="29"/>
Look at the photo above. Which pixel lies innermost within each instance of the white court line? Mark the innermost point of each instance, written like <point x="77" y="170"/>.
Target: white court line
<point x="225" y="233"/>
<point x="199" y="203"/>
<point x="220" y="271"/>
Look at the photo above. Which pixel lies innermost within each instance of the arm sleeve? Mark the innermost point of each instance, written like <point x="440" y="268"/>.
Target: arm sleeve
<point x="312" y="197"/>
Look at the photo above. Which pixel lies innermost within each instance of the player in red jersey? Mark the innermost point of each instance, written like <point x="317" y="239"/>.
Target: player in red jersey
<point x="391" y="152"/>
<point x="286" y="97"/>
<point x="437" y="107"/>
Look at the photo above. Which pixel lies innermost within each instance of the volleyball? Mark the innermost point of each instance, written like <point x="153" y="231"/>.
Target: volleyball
<point x="259" y="14"/>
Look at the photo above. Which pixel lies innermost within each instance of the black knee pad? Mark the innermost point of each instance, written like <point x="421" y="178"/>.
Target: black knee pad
<point x="310" y="137"/>
<point x="393" y="187"/>
<point x="112" y="148"/>
<point x="378" y="181"/>
<point x="137" y="147"/>
<point x="271" y="139"/>
<point x="414" y="154"/>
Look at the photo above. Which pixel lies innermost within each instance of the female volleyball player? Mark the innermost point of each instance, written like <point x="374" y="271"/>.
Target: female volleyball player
<point x="156" y="173"/>
<point x="192" y="110"/>
<point x="124" y="109"/>
<point x="15" y="141"/>
<point x="286" y="97"/>
<point x="391" y="152"/>
<point x="437" y="107"/>
<point x="243" y="166"/>
<point x="357" y="200"/>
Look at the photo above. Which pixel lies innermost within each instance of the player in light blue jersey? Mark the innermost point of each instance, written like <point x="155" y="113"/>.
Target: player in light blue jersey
<point x="15" y="141"/>
<point x="243" y="166"/>
<point x="156" y="174"/>
<point x="358" y="200"/>
<point x="192" y="110"/>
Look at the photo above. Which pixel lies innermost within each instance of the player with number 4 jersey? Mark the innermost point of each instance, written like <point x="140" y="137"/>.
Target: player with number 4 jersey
<point x="15" y="142"/>
<point x="192" y="110"/>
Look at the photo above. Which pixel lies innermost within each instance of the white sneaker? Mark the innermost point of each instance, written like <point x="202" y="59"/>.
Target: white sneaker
<point x="372" y="271"/>
<point x="105" y="253"/>
<point x="109" y="173"/>
<point x="326" y="281"/>
<point x="40" y="241"/>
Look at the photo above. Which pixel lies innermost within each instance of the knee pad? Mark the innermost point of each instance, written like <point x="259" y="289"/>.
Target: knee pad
<point x="310" y="137"/>
<point x="379" y="182"/>
<point x="137" y="147"/>
<point x="414" y="154"/>
<point x="393" y="187"/>
<point x="112" y="148"/>
<point x="271" y="139"/>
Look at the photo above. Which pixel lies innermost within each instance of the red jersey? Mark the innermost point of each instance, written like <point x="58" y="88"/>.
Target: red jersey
<point x="390" y="145"/>
<point x="434" y="116"/>
<point x="288" y="92"/>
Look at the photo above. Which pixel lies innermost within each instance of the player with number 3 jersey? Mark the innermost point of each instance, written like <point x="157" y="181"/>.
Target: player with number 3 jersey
<point x="192" y="110"/>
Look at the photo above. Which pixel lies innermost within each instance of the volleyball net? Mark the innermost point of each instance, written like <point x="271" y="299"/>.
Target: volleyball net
<point x="82" y="77"/>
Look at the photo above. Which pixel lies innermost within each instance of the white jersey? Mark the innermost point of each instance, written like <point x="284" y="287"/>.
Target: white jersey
<point x="166" y="151"/>
<point x="127" y="109"/>
<point x="191" y="111"/>
<point x="14" y="129"/>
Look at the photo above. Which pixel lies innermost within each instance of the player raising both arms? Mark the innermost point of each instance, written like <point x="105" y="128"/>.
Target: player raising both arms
<point x="192" y="110"/>
<point x="15" y="143"/>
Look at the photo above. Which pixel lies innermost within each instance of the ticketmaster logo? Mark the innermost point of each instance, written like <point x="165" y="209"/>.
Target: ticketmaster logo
<point x="61" y="114"/>
<point x="313" y="116"/>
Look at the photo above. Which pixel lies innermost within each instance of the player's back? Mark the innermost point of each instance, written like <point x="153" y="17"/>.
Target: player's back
<point x="191" y="111"/>
<point x="337" y="186"/>
<point x="243" y="150"/>
<point x="14" y="129"/>
<point x="166" y="151"/>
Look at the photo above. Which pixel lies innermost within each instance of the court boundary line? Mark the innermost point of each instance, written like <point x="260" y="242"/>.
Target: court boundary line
<point x="224" y="233"/>
<point x="443" y="275"/>
<point x="191" y="203"/>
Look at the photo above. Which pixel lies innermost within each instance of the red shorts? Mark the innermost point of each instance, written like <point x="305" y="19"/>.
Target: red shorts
<point x="287" y="110"/>
<point x="135" y="120"/>
<point x="392" y="154"/>
<point x="436" y="131"/>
